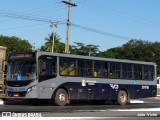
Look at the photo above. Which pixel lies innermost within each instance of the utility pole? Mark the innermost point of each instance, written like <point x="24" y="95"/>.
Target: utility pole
<point x="68" y="24"/>
<point x="53" y="25"/>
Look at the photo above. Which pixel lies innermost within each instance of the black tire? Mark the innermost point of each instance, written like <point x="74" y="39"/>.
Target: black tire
<point x="122" y="98"/>
<point x="61" y="97"/>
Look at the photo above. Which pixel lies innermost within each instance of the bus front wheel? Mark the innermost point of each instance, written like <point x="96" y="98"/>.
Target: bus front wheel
<point x="122" y="98"/>
<point x="61" y="97"/>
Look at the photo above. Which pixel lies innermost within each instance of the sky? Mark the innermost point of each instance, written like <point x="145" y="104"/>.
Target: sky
<point x="111" y="23"/>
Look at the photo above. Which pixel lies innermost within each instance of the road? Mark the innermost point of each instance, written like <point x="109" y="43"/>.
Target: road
<point x="150" y="108"/>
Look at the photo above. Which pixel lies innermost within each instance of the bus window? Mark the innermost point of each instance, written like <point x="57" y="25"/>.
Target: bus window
<point x="89" y="68"/>
<point x="137" y="72"/>
<point x="104" y="70"/>
<point x="126" y="71"/>
<point x="63" y="66"/>
<point x="97" y="69"/>
<point x="151" y="72"/>
<point x="71" y="67"/>
<point x="81" y="68"/>
<point x="67" y="66"/>
<point x="115" y="70"/>
<point x="111" y="70"/>
<point x="47" y="67"/>
<point x="146" y="72"/>
<point x="118" y="70"/>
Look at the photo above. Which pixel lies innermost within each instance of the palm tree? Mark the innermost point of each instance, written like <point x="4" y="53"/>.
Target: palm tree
<point x="58" y="46"/>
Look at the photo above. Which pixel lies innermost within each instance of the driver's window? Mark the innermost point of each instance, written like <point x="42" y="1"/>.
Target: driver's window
<point x="47" y="67"/>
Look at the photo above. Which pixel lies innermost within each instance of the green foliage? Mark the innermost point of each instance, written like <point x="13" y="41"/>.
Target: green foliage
<point x="14" y="44"/>
<point x="58" y="46"/>
<point x="137" y="50"/>
<point x="87" y="50"/>
<point x="110" y="53"/>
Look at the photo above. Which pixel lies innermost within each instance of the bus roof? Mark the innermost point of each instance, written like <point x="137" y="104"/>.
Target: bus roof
<point x="95" y="58"/>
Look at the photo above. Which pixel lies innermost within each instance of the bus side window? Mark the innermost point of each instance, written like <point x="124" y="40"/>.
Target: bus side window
<point x="104" y="70"/>
<point x="112" y="70"/>
<point x="151" y="72"/>
<point x="110" y="74"/>
<point x="63" y="66"/>
<point x="47" y="67"/>
<point x="126" y="71"/>
<point x="81" y="68"/>
<point x="137" y="71"/>
<point x="71" y="67"/>
<point x="41" y="67"/>
<point x="98" y="69"/>
<point x="89" y="68"/>
<point x="146" y="72"/>
<point x="53" y="70"/>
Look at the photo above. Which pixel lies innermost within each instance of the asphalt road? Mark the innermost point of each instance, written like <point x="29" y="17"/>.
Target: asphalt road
<point x="150" y="108"/>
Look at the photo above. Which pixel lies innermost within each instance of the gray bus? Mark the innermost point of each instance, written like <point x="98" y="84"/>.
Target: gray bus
<point x="64" y="77"/>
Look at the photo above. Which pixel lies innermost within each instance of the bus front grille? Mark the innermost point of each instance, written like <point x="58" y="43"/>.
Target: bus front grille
<point x="19" y="83"/>
<point x="17" y="94"/>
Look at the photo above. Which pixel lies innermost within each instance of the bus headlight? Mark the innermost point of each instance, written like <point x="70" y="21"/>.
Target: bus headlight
<point x="31" y="88"/>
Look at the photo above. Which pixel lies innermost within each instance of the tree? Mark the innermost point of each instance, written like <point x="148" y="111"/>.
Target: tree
<point x="87" y="50"/>
<point x="58" y="46"/>
<point x="110" y="53"/>
<point x="137" y="50"/>
<point x="15" y="44"/>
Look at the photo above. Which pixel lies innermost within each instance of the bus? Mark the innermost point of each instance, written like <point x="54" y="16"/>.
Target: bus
<point x="62" y="78"/>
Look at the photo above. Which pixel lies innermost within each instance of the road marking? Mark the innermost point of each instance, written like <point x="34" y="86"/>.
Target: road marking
<point x="136" y="101"/>
<point x="143" y="109"/>
<point x="1" y="102"/>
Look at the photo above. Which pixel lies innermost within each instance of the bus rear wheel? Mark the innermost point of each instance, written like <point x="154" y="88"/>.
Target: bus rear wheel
<point x="61" y="97"/>
<point x="122" y="98"/>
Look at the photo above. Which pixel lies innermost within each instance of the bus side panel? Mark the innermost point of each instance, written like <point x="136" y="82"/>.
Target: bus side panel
<point x="89" y="92"/>
<point x="102" y="92"/>
<point x="149" y="91"/>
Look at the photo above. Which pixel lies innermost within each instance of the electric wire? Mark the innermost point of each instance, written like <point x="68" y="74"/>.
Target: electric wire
<point x="39" y="19"/>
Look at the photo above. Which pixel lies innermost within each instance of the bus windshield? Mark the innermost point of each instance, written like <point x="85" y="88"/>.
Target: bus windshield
<point x="22" y="69"/>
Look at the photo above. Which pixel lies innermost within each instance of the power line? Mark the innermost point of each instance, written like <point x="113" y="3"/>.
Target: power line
<point x="101" y="32"/>
<point x="20" y="27"/>
<point x="22" y="16"/>
<point x="38" y="19"/>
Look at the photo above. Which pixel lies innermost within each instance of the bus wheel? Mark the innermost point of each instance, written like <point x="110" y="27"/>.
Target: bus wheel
<point x="122" y="98"/>
<point x="61" y="97"/>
